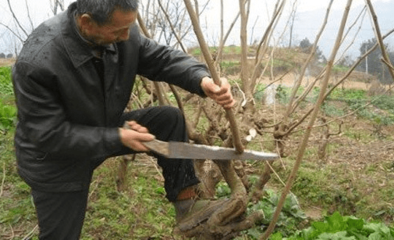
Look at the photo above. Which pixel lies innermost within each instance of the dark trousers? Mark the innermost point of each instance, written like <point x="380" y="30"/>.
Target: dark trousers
<point x="61" y="215"/>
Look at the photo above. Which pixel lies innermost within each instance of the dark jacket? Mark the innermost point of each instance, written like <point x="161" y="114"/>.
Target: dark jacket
<point x="67" y="117"/>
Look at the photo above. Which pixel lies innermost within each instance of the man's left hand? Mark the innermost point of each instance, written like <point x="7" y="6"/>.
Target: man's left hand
<point x="222" y="95"/>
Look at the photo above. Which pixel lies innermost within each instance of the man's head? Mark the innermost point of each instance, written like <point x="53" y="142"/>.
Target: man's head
<point x="104" y="22"/>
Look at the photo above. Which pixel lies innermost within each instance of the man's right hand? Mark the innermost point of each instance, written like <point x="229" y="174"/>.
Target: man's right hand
<point x="133" y="135"/>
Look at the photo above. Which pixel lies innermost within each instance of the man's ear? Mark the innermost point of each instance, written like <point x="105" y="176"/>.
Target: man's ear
<point x="86" y="23"/>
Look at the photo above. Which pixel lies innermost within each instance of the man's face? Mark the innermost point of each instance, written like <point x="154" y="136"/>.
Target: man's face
<point x="116" y="31"/>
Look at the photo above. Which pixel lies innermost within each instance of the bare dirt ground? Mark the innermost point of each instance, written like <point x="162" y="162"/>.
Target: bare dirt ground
<point x="4" y="62"/>
<point x="289" y="80"/>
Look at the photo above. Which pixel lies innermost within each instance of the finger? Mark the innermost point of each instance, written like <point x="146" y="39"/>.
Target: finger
<point x="141" y="147"/>
<point x="141" y="129"/>
<point x="139" y="138"/>
<point x="213" y="88"/>
<point x="225" y="99"/>
<point x="227" y="104"/>
<point x="137" y="127"/>
<point x="224" y="88"/>
<point x="145" y="137"/>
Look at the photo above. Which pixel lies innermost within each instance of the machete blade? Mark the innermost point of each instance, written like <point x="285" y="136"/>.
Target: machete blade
<point x="198" y="151"/>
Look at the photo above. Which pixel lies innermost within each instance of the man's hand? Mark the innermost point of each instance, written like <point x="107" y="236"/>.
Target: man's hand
<point x="133" y="136"/>
<point x="222" y="95"/>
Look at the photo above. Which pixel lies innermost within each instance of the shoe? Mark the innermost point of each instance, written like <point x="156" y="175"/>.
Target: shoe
<point x="192" y="212"/>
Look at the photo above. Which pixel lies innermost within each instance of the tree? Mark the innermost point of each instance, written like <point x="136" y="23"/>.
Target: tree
<point x="373" y="64"/>
<point x="306" y="47"/>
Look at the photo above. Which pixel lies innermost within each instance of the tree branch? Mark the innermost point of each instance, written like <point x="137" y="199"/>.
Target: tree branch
<point x="305" y="140"/>
<point x="16" y="19"/>
<point x="379" y="37"/>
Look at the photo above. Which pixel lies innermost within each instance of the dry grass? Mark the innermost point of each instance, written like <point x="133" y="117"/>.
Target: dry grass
<point x="6" y="62"/>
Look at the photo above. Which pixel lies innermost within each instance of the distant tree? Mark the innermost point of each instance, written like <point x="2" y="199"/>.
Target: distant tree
<point x="345" y="61"/>
<point x="372" y="64"/>
<point x="306" y="47"/>
<point x="2" y="55"/>
<point x="10" y="55"/>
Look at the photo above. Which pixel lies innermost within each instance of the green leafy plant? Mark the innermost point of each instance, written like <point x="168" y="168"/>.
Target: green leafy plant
<point x="7" y="116"/>
<point x="5" y="81"/>
<point x="7" y="110"/>
<point x="289" y="219"/>
<point x="337" y="227"/>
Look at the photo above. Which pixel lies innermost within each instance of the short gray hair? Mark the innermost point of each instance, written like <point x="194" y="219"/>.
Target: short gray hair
<point x="101" y="11"/>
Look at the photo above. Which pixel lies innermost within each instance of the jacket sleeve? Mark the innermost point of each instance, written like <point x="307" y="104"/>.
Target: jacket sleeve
<point x="43" y="121"/>
<point x="163" y="63"/>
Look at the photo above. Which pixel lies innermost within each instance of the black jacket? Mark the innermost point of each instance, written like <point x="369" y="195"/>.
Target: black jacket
<point x="67" y="117"/>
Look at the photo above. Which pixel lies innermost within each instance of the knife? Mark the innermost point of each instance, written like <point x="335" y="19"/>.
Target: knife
<point x="199" y="151"/>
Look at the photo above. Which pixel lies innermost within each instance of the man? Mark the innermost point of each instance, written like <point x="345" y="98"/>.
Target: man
<point x="72" y="81"/>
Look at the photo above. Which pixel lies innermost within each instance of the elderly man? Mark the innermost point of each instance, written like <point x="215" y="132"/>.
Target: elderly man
<point x="73" y="80"/>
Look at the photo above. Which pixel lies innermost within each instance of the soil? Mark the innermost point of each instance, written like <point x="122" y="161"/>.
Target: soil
<point x="289" y="80"/>
<point x="5" y="62"/>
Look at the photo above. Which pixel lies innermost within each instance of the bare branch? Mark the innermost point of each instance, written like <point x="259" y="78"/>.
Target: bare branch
<point x="244" y="50"/>
<point x="16" y="19"/>
<point x="362" y="15"/>
<point x="305" y="140"/>
<point x="351" y="69"/>
<point x="307" y="62"/>
<point x="212" y="69"/>
<point x="379" y="37"/>
<point x="28" y="15"/>
<point x="277" y="11"/>
<point x="264" y="43"/>
<point x="172" y="26"/>
<point x="197" y="10"/>
<point x="2" y="181"/>
<point x="222" y="43"/>
<point x="12" y="31"/>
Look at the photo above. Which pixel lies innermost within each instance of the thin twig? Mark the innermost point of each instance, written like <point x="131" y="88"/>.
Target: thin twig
<point x="362" y="13"/>
<point x="172" y="27"/>
<point x="15" y="18"/>
<point x="154" y="163"/>
<point x="379" y="37"/>
<point x="28" y="15"/>
<point x="223" y="42"/>
<point x="12" y="31"/>
<point x="28" y="236"/>
<point x="306" y="64"/>
<point x="12" y="231"/>
<point x="2" y="181"/>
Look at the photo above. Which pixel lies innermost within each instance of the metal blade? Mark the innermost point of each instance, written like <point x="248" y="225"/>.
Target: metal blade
<point x="197" y="151"/>
<point x="159" y="147"/>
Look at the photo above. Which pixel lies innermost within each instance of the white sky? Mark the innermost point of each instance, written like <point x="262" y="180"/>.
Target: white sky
<point x="261" y="10"/>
